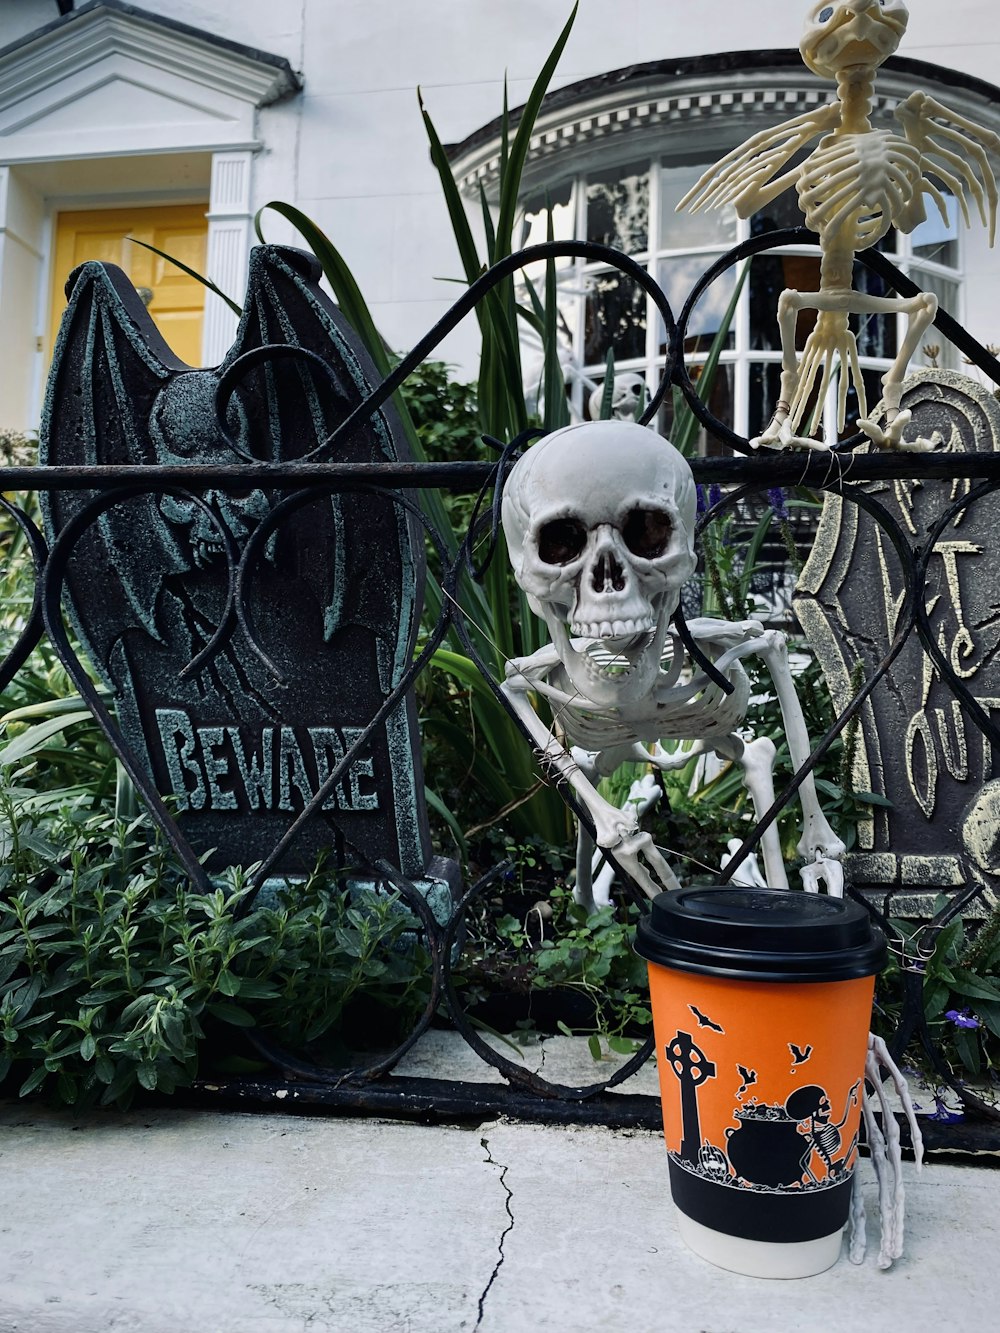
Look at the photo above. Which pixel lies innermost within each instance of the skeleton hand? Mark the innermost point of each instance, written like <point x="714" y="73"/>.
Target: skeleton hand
<point x="626" y="842"/>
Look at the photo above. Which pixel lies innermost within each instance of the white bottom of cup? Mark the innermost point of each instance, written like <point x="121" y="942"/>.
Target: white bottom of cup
<point x="760" y="1258"/>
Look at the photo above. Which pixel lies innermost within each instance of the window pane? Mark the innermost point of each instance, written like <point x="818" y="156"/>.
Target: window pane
<point x="720" y="404"/>
<point x="873" y="393"/>
<point x="615" y="317"/>
<point x="769" y="276"/>
<point x="781" y="212"/>
<point x="937" y="237"/>
<point x="618" y="208"/>
<point x="946" y="291"/>
<point x="875" y="334"/>
<point x="684" y="231"/>
<point x="677" y="277"/>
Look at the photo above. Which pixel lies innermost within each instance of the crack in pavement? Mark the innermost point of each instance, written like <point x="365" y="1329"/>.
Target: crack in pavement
<point x="503" y="1235"/>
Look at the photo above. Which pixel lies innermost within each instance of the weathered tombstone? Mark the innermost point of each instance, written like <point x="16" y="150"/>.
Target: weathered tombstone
<point x="916" y="747"/>
<point x="334" y="600"/>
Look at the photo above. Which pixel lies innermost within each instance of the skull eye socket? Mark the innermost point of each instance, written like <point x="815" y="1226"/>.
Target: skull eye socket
<point x="561" y="541"/>
<point x="647" y="532"/>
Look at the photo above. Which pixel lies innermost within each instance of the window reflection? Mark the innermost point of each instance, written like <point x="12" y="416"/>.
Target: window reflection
<point x="615" y="318"/>
<point x="769" y="276"/>
<point x="936" y="238"/>
<point x="685" y="231"/>
<point x="677" y="277"/>
<point x="618" y="208"/>
<point x="720" y="404"/>
<point x="875" y="334"/>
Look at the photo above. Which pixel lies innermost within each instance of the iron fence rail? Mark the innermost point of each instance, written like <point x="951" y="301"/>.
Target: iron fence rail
<point x="300" y="1082"/>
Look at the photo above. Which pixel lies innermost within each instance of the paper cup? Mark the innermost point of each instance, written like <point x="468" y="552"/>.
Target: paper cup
<point x="761" y="1004"/>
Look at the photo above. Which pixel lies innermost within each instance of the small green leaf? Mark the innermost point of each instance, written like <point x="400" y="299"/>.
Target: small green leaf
<point x="977" y="988"/>
<point x="228" y="984"/>
<point x="34" y="1080"/>
<point x="88" y="1048"/>
<point x="594" y="1042"/>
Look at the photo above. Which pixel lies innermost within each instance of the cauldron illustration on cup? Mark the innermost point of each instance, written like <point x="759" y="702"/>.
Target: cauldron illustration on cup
<point x="767" y="1152"/>
<point x="773" y="1145"/>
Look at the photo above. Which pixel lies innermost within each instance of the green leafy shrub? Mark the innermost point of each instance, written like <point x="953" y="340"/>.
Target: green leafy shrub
<point x="111" y="966"/>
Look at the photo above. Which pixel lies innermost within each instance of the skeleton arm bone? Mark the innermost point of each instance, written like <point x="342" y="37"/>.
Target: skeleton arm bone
<point x="819" y="845"/>
<point x="966" y="172"/>
<point x="616" y="830"/>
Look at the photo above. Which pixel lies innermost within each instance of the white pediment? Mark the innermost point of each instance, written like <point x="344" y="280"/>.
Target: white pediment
<point x="111" y="79"/>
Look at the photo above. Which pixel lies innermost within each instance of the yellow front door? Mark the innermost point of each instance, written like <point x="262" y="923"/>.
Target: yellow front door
<point x="175" y="301"/>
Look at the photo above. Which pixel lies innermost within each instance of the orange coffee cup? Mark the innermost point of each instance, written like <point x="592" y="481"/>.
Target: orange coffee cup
<point x="761" y="1004"/>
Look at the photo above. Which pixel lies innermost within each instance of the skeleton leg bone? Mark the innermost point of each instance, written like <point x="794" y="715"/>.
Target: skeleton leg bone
<point x="819" y="845"/>
<point x="756" y="759"/>
<point x="920" y="311"/>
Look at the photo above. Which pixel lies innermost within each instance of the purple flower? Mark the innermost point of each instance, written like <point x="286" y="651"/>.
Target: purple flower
<point x="700" y="493"/>
<point x="776" y="499"/>
<point x="944" y="1114"/>
<point x="714" y="494"/>
<point x="961" y="1018"/>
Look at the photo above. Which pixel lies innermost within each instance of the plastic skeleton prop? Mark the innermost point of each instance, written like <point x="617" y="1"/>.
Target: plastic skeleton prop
<point x="852" y="188"/>
<point x="599" y="520"/>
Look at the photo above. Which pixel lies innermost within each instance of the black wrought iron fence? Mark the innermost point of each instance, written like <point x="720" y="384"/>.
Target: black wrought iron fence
<point x="853" y="478"/>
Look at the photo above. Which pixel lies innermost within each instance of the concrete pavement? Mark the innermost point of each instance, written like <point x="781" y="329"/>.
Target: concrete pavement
<point x="180" y="1221"/>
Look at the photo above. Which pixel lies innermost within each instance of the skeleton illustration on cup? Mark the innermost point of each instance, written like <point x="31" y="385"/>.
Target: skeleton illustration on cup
<point x="855" y="185"/>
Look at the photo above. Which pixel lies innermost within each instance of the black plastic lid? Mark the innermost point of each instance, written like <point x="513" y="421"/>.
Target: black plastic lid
<point x="761" y="934"/>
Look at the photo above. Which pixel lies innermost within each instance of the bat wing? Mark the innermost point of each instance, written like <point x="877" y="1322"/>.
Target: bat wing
<point x="291" y="405"/>
<point x="109" y="364"/>
<point x="745" y="176"/>
<point x="955" y="151"/>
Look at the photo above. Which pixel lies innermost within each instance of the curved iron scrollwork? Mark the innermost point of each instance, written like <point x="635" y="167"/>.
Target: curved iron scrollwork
<point x="843" y="473"/>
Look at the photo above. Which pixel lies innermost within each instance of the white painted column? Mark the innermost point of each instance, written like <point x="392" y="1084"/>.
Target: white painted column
<point x="230" y="224"/>
<point x="23" y="308"/>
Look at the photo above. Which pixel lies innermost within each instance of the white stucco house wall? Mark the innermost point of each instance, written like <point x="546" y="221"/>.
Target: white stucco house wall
<point x="227" y="104"/>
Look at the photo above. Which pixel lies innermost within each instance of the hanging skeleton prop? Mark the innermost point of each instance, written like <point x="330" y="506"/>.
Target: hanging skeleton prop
<point x="599" y="520"/>
<point x="855" y="185"/>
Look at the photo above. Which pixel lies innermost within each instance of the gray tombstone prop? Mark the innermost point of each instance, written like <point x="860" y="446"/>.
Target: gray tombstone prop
<point x="916" y="747"/>
<point x="334" y="600"/>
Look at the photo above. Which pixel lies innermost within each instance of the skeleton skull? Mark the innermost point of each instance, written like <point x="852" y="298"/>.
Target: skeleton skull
<point x="859" y="32"/>
<point x="599" y="520"/>
<point x="629" y="393"/>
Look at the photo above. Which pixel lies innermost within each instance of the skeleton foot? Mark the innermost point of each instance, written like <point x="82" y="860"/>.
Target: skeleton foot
<point x="784" y="437"/>
<point x="891" y="435"/>
<point x="823" y="873"/>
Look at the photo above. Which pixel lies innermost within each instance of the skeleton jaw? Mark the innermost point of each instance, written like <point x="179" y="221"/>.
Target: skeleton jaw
<point x="610" y="672"/>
